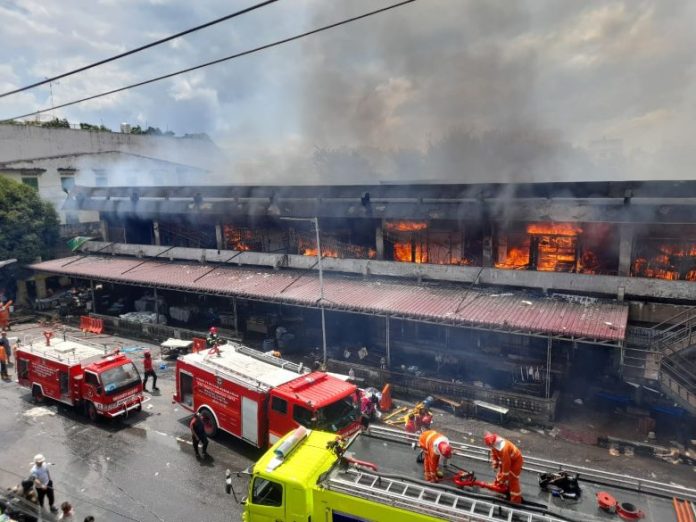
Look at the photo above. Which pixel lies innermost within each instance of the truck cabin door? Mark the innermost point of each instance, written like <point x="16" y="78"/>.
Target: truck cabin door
<point x="266" y="501"/>
<point x="186" y="388"/>
<point x="93" y="387"/>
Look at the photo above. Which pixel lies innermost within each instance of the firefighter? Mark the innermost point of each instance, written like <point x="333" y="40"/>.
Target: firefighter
<point x="411" y="423"/>
<point x="434" y="446"/>
<point x="368" y="409"/>
<point x="198" y="435"/>
<point x="213" y="341"/>
<point x="507" y="459"/>
<point x="424" y="418"/>
<point x="5" y="315"/>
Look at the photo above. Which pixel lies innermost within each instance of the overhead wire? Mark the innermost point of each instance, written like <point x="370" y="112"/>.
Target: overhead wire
<point x="219" y="60"/>
<point x="141" y="48"/>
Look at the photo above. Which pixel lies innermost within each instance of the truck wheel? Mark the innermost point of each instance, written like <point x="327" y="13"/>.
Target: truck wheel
<point x="91" y="412"/>
<point x="211" y="427"/>
<point x="37" y="394"/>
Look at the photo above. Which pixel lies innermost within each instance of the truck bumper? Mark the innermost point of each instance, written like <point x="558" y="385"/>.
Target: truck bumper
<point x="126" y="408"/>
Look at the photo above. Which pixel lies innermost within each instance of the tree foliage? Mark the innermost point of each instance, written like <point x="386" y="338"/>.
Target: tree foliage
<point x="28" y="225"/>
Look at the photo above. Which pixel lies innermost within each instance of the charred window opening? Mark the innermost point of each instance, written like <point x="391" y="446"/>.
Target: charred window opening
<point x="589" y="248"/>
<point x="665" y="257"/>
<point x="434" y="242"/>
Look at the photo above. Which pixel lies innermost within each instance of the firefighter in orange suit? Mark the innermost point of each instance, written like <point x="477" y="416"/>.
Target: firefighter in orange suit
<point x="434" y="446"/>
<point x="508" y="460"/>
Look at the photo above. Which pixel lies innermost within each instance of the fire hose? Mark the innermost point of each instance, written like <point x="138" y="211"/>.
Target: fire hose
<point x="467" y="479"/>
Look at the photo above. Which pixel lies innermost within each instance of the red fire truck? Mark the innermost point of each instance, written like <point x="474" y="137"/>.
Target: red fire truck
<point x="259" y="397"/>
<point x="81" y="375"/>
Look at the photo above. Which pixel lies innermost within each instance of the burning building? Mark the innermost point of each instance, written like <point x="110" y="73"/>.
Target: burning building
<point x="474" y="291"/>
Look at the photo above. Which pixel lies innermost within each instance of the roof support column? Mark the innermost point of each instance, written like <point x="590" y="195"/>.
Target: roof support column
<point x="156" y="308"/>
<point x="379" y="240"/>
<point x="219" y="237"/>
<point x="156" y="232"/>
<point x="487" y="254"/>
<point x="387" y="341"/>
<point x="626" y="232"/>
<point x="549" y="344"/>
<point x="236" y="324"/>
<point x="104" y="230"/>
<point x="94" y="301"/>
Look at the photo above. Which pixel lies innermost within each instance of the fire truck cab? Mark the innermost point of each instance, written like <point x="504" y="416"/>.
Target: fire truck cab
<point x="259" y="398"/>
<point x="81" y="375"/>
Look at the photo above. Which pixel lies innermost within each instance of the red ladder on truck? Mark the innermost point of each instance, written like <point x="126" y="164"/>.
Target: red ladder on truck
<point x="429" y="500"/>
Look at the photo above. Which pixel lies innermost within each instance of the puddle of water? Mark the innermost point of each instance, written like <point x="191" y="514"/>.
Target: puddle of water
<point x="40" y="411"/>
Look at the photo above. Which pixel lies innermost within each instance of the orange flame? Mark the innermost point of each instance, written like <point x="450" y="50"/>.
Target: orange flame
<point x="515" y="258"/>
<point x="554" y="229"/>
<point x="405" y="226"/>
<point x="668" y="263"/>
<point x="237" y="238"/>
<point x="408" y="253"/>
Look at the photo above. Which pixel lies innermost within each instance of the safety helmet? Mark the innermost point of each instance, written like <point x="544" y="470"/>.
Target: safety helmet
<point x="213" y="329"/>
<point x="445" y="449"/>
<point x="490" y="438"/>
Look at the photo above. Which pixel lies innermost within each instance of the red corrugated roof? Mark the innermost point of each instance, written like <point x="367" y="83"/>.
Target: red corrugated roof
<point x="452" y="303"/>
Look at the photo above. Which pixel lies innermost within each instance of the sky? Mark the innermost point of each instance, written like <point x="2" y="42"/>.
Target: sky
<point x="457" y="90"/>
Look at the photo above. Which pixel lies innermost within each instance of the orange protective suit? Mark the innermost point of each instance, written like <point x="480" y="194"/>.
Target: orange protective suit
<point x="431" y="442"/>
<point x="508" y="460"/>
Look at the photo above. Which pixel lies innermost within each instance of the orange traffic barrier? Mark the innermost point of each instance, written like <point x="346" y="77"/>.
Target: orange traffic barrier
<point x="98" y="325"/>
<point x="385" y="403"/>
<point x="198" y="344"/>
<point x="85" y="323"/>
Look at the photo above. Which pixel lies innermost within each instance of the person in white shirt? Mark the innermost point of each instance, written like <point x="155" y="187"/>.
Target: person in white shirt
<point x="43" y="482"/>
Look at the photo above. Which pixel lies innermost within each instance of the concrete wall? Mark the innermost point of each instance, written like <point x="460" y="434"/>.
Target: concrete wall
<point x="23" y="142"/>
<point x="100" y="158"/>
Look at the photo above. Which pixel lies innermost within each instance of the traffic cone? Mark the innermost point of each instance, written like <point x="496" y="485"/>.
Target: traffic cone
<point x="385" y="403"/>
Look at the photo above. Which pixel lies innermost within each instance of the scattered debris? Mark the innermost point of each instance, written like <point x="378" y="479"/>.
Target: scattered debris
<point x="522" y="430"/>
<point x="579" y="402"/>
<point x="554" y="433"/>
<point x="614" y="450"/>
<point x="628" y="451"/>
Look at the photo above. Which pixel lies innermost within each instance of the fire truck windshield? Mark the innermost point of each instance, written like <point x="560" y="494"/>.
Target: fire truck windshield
<point x="119" y="378"/>
<point x="337" y="415"/>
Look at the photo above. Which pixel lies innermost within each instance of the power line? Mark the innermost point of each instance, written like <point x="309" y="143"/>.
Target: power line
<point x="220" y="60"/>
<point x="141" y="48"/>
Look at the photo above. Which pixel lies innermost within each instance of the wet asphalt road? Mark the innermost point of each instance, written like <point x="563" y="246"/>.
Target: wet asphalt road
<point x="142" y="468"/>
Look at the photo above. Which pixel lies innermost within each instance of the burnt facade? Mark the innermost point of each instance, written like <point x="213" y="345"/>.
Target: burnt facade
<point x="632" y="243"/>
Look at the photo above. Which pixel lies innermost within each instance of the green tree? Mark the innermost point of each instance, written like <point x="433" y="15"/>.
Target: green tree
<point x="28" y="225"/>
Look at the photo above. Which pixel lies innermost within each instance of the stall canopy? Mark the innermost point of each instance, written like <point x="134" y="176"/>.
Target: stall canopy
<point x="454" y="304"/>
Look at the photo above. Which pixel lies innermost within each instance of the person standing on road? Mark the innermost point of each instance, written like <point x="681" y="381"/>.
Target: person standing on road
<point x="3" y="364"/>
<point x="43" y="482"/>
<point x="198" y="434"/>
<point x="149" y="372"/>
<point x="5" y="343"/>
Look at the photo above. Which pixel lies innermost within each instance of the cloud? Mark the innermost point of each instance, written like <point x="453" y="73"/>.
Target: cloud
<point x="525" y="87"/>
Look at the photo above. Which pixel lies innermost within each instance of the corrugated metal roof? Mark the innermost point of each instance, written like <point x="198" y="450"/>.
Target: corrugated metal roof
<point x="456" y="304"/>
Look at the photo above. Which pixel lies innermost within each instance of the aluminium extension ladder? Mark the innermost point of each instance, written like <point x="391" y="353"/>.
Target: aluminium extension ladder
<point x="429" y="500"/>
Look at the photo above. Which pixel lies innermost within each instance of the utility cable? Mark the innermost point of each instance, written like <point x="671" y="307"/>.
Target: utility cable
<point x="141" y="48"/>
<point x="220" y="60"/>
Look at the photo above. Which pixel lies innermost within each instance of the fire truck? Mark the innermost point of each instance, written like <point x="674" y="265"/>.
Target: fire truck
<point x="259" y="397"/>
<point x="80" y="375"/>
<point x="375" y="476"/>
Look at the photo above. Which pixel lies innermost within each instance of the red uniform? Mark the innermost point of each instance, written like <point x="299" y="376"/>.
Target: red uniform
<point x="147" y="364"/>
<point x="508" y="460"/>
<point x="434" y="445"/>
